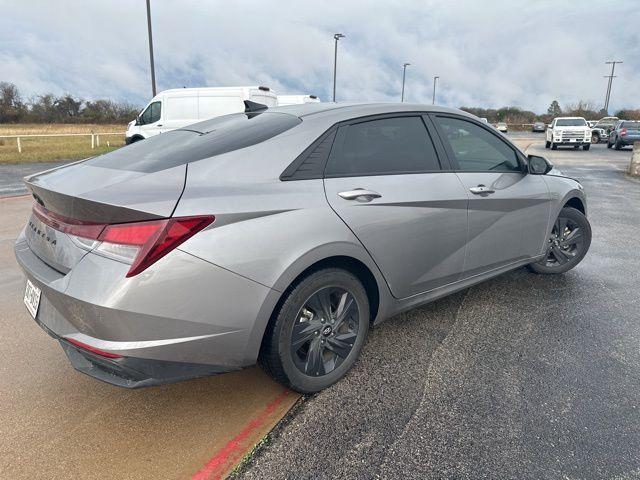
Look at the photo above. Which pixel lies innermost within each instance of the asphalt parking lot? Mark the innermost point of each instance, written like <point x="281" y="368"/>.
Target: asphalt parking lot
<point x="524" y="376"/>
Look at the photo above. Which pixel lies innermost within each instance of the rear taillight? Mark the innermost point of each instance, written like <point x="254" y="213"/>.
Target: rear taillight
<point x="623" y="132"/>
<point x="139" y="243"/>
<point x="144" y="243"/>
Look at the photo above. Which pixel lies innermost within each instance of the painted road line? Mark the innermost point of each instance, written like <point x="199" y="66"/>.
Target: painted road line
<point x="223" y="461"/>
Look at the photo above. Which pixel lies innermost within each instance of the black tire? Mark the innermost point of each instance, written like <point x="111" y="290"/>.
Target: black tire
<point x="278" y="351"/>
<point x="618" y="145"/>
<point x="595" y="137"/>
<point x="554" y="146"/>
<point x="609" y="144"/>
<point x="586" y="147"/>
<point x="547" y="144"/>
<point x="567" y="250"/>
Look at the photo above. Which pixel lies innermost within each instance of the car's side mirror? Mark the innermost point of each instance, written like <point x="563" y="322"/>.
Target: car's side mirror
<point x="538" y="165"/>
<point x="138" y="120"/>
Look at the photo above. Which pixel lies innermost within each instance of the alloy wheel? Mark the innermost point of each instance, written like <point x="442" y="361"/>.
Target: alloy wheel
<point x="565" y="242"/>
<point x="324" y="331"/>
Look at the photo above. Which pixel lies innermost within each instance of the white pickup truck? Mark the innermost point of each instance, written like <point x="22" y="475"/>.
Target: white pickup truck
<point x="573" y="131"/>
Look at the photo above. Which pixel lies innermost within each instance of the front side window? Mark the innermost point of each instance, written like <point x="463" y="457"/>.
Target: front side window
<point x="389" y="145"/>
<point x="151" y="114"/>
<point x="476" y="149"/>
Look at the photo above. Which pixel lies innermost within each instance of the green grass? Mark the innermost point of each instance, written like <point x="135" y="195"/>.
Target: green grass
<point x="50" y="149"/>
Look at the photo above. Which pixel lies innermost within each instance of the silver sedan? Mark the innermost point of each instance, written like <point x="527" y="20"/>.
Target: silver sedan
<point x="282" y="236"/>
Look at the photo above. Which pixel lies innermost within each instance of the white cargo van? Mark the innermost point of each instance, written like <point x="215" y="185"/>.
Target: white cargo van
<point x="180" y="107"/>
<point x="296" y="99"/>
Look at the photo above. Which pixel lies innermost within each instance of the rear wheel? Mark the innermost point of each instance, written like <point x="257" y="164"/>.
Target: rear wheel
<point x="609" y="144"/>
<point x="618" y="145"/>
<point x="318" y="332"/>
<point x="568" y="243"/>
<point x="586" y="147"/>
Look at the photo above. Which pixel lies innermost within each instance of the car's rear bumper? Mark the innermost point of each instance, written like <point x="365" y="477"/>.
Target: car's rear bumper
<point x="182" y="318"/>
<point x="629" y="140"/>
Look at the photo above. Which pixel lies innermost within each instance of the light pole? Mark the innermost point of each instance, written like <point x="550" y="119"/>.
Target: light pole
<point x="336" y="37"/>
<point x="153" y="69"/>
<point x="433" y="99"/>
<point x="404" y="74"/>
<point x="610" y="77"/>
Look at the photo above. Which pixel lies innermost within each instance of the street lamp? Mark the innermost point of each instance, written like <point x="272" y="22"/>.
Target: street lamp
<point x="433" y="99"/>
<point x="404" y="74"/>
<point x="153" y="69"/>
<point x="336" y="37"/>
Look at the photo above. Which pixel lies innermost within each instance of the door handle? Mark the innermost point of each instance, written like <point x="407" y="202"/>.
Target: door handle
<point x="359" y="194"/>
<point x="480" y="189"/>
<point x="159" y="125"/>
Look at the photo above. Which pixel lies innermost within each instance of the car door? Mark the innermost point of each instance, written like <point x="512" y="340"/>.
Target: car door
<point x="151" y="119"/>
<point x="508" y="208"/>
<point x="385" y="180"/>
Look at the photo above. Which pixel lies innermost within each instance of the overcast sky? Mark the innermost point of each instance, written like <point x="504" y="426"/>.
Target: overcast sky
<point x="487" y="53"/>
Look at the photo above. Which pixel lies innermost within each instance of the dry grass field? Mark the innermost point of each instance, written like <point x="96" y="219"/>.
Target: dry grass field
<point x="47" y="149"/>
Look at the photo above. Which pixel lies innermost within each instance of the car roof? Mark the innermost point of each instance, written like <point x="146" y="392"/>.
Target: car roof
<point x="344" y="111"/>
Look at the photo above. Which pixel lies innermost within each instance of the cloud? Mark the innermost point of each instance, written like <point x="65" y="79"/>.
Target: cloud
<point x="488" y="54"/>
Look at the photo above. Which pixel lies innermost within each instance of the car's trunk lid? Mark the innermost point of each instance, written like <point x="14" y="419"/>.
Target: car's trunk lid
<point x="89" y="194"/>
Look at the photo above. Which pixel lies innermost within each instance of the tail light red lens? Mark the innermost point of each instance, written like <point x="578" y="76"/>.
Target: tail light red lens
<point x="154" y="239"/>
<point x="141" y="243"/>
<point x="623" y="132"/>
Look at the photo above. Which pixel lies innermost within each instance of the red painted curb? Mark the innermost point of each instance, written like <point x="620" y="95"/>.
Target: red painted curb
<point x="233" y="450"/>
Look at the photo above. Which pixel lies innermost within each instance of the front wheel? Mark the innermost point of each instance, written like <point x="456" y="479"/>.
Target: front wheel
<point x="547" y="144"/>
<point x="595" y="138"/>
<point x="317" y="334"/>
<point x="586" y="147"/>
<point x="554" y="146"/>
<point x="567" y="244"/>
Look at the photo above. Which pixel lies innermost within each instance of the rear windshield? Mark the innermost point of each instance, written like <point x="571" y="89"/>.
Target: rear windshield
<point x="571" y="122"/>
<point x="195" y="142"/>
<point x="633" y="125"/>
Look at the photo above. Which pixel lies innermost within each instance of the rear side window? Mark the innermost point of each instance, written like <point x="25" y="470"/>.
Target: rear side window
<point x="632" y="125"/>
<point x="476" y="149"/>
<point x="385" y="146"/>
<point x="198" y="141"/>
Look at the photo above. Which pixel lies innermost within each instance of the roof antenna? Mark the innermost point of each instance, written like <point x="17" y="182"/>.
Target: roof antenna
<point x="252" y="107"/>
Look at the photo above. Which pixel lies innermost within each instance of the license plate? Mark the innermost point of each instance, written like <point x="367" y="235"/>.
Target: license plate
<point x="32" y="298"/>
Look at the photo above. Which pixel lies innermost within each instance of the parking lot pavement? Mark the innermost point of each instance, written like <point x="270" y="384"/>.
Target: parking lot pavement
<point x="11" y="175"/>
<point x="523" y="376"/>
<point x="58" y="423"/>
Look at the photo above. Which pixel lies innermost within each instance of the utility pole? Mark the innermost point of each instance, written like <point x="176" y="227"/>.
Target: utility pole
<point x="433" y="99"/>
<point x="404" y="74"/>
<point x="610" y="77"/>
<point x="153" y="69"/>
<point x="336" y="37"/>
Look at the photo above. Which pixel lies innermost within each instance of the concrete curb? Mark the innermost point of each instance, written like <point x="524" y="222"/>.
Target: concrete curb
<point x="634" y="165"/>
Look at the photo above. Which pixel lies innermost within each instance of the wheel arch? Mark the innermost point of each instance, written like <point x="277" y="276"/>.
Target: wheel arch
<point x="343" y="255"/>
<point x="577" y="203"/>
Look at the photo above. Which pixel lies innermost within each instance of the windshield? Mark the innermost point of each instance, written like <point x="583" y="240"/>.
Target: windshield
<point x="571" y="122"/>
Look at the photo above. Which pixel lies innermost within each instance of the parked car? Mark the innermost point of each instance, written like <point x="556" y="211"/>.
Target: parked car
<point x="282" y="236"/>
<point x="502" y="127"/>
<point x="600" y="130"/>
<point x="571" y="131"/>
<point x="177" y="108"/>
<point x="623" y="134"/>
<point x="539" y="127"/>
<point x="284" y="100"/>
